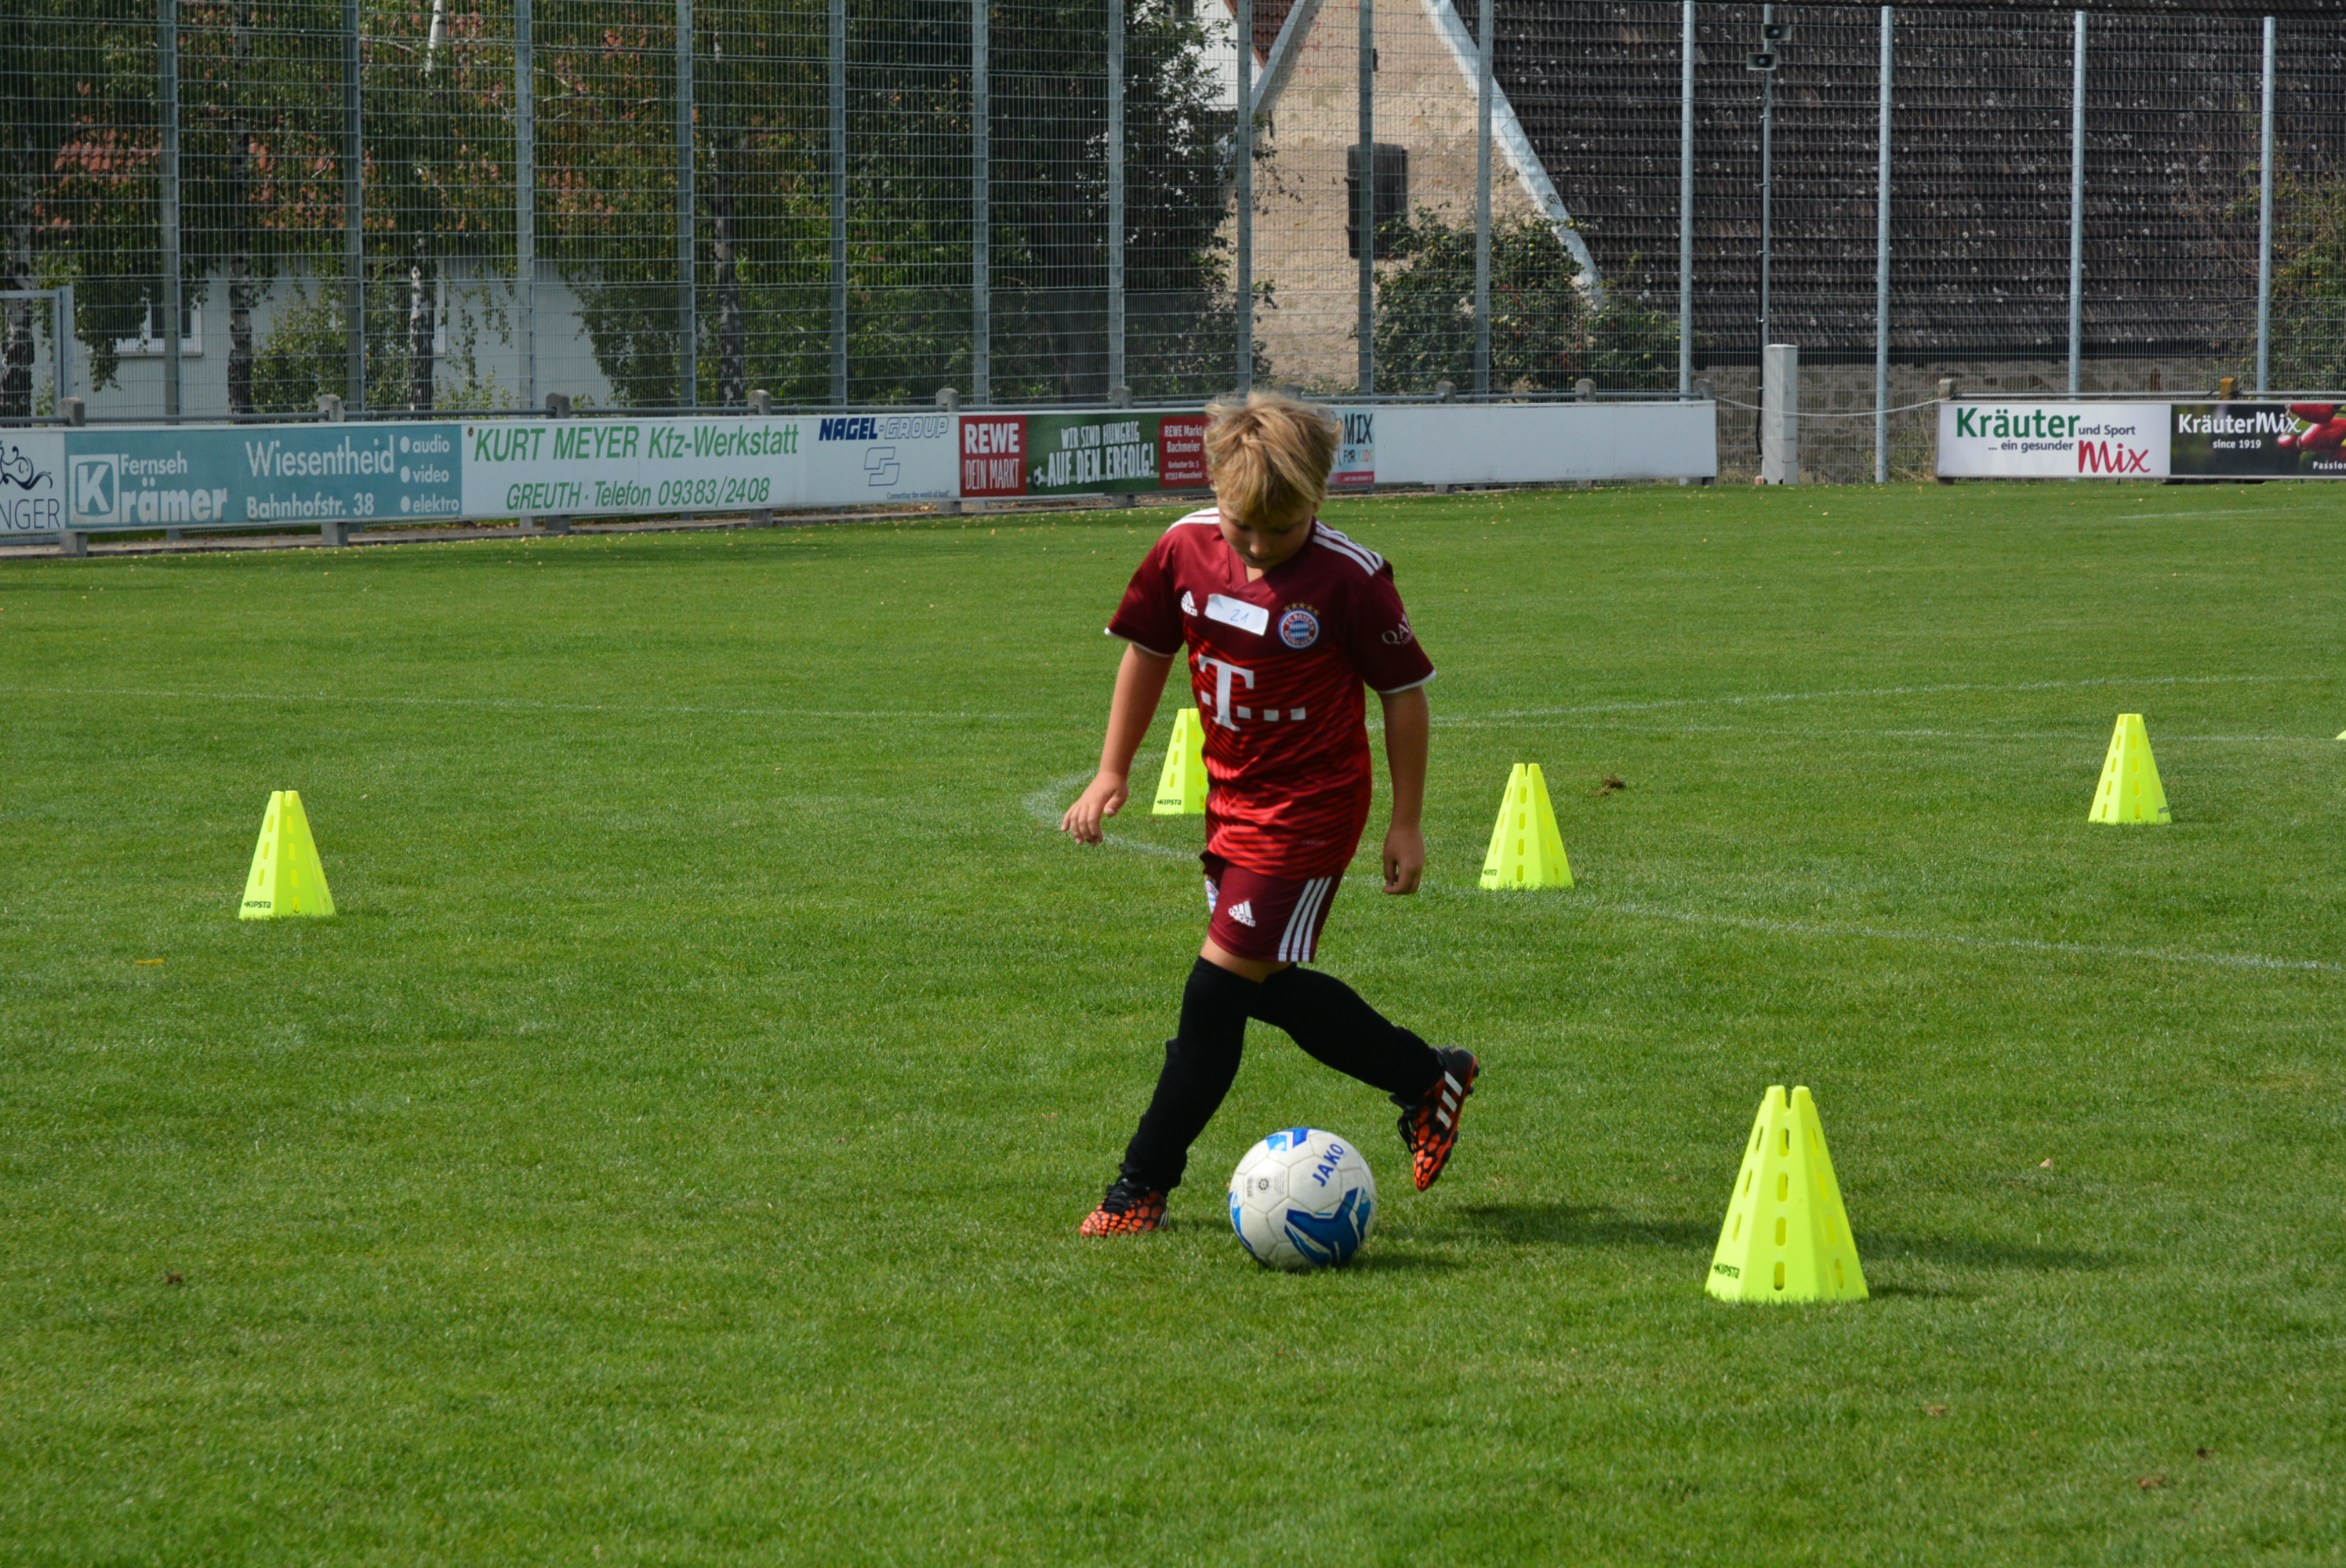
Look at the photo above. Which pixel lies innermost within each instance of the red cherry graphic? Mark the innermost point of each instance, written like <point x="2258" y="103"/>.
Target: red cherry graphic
<point x="2326" y="439"/>
<point x="2314" y="413"/>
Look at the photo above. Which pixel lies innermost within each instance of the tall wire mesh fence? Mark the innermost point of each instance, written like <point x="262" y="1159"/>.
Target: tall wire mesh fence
<point x="665" y="204"/>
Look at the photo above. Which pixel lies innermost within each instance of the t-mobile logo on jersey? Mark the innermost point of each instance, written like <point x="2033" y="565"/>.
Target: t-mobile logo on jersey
<point x="1223" y="670"/>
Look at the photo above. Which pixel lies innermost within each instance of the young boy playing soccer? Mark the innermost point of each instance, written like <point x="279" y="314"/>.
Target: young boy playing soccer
<point x="1284" y="620"/>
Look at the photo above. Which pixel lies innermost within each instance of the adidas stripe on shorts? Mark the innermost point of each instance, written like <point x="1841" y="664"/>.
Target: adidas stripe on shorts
<point x="1274" y="920"/>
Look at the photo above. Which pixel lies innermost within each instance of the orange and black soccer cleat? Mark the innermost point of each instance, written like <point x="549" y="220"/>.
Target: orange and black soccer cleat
<point x="1129" y="1207"/>
<point x="1429" y="1123"/>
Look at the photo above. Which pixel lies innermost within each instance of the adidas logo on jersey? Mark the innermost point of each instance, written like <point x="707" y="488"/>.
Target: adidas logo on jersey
<point x="1242" y="911"/>
<point x="1188" y="605"/>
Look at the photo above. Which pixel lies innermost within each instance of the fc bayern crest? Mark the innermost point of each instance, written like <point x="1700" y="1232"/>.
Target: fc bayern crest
<point x="1299" y="629"/>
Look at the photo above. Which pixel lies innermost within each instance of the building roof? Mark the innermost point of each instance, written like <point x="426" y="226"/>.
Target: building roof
<point x="1980" y="196"/>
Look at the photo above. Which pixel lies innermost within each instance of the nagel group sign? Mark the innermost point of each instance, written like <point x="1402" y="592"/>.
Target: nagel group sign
<point x="2141" y="439"/>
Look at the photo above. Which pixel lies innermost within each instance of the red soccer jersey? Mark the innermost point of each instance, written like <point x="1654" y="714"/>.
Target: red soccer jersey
<point x="1277" y="666"/>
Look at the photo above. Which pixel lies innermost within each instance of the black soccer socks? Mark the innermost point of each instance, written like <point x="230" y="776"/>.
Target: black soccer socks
<point x="1327" y="1018"/>
<point x="1199" y="1063"/>
<point x="1334" y="1026"/>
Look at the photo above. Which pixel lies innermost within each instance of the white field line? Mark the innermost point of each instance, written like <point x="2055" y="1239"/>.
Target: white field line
<point x="1854" y="692"/>
<point x="2217" y="511"/>
<point x="1047" y="804"/>
<point x="950" y="715"/>
<point x="528" y="706"/>
<point x="2066" y="737"/>
<point x="1952" y="939"/>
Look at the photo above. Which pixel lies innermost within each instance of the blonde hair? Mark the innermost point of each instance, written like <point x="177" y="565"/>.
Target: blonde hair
<point x="1270" y="457"/>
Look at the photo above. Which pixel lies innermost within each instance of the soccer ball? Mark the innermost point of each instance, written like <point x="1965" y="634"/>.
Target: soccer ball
<point x="1303" y="1199"/>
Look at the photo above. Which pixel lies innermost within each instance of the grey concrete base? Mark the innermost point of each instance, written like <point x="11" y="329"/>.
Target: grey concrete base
<point x="1779" y="414"/>
<point x="70" y="542"/>
<point x="333" y="533"/>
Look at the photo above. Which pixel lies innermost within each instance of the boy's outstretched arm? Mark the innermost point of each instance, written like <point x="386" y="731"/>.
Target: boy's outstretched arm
<point x="1139" y="682"/>
<point x="1409" y="725"/>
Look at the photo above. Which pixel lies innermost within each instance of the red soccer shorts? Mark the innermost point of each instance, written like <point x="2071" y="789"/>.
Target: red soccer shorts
<point x="1274" y="920"/>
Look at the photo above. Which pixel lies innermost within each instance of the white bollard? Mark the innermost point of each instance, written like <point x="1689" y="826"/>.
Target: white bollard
<point x="1779" y="414"/>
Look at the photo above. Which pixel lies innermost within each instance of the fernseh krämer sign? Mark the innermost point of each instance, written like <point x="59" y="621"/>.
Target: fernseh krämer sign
<point x="2142" y="440"/>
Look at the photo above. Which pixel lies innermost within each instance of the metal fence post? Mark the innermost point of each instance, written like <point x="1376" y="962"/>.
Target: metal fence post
<point x="354" y="372"/>
<point x="1485" y="21"/>
<point x="2265" y="227"/>
<point x="1115" y="370"/>
<point x="839" y="200"/>
<point x="2077" y="202"/>
<point x="167" y="77"/>
<point x="1767" y="195"/>
<point x="63" y="337"/>
<point x="1686" y="190"/>
<point x="524" y="207"/>
<point x="1364" y="199"/>
<point x="981" y="204"/>
<point x="1244" y="176"/>
<point x="688" y="328"/>
<point x="1882" y="274"/>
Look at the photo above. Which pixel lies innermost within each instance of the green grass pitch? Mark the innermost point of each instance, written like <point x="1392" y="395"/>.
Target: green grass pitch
<point x="673" y="1153"/>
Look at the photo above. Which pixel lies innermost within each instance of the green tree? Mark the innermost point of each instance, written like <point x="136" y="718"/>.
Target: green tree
<point x="763" y="182"/>
<point x="1545" y="335"/>
<point x="262" y="167"/>
<point x="2309" y="309"/>
<point x="79" y="197"/>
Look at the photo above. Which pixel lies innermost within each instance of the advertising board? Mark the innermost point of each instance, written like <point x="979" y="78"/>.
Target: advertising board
<point x="2259" y="440"/>
<point x="1356" y="449"/>
<point x="588" y="468"/>
<point x="195" y="475"/>
<point x="148" y="477"/>
<point x="2142" y="441"/>
<point x="1111" y="451"/>
<point x="563" y="466"/>
<point x="1026" y="454"/>
<point x="1517" y="443"/>
<point x="32" y="481"/>
<point x="2053" y="440"/>
<point x="860" y="459"/>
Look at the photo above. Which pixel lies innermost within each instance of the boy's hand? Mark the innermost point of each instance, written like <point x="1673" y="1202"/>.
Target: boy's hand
<point x="1404" y="859"/>
<point x="1104" y="796"/>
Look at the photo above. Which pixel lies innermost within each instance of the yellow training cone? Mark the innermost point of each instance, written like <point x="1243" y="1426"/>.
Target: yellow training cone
<point x="1786" y="1235"/>
<point x="1182" y="791"/>
<point x="286" y="879"/>
<point x="2130" y="790"/>
<point x="1526" y="851"/>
